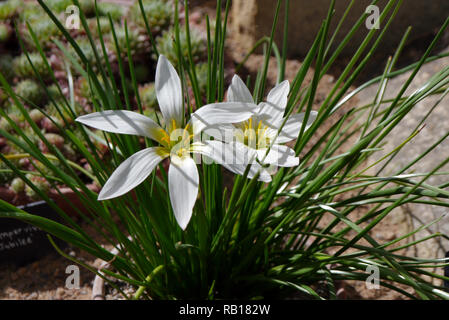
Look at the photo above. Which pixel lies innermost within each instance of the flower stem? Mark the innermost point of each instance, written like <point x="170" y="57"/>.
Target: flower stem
<point x="148" y="280"/>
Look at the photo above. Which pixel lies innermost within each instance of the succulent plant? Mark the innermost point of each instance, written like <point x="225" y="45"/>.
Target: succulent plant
<point x="166" y="46"/>
<point x="142" y="72"/>
<point x="86" y="47"/>
<point x="5" y="175"/>
<point x="24" y="69"/>
<point x="9" y="9"/>
<point x="6" y="66"/>
<point x="85" y="87"/>
<point x="44" y="29"/>
<point x="159" y="14"/>
<point x="201" y="75"/>
<point x="115" y="10"/>
<point x="54" y="92"/>
<point x="136" y="42"/>
<point x="36" y="115"/>
<point x="30" y="91"/>
<point x="150" y="106"/>
<point x="31" y="11"/>
<point x="147" y="95"/>
<point x="58" y="5"/>
<point x="17" y="185"/>
<point x="58" y="110"/>
<point x="3" y="97"/>
<point x="105" y="25"/>
<point x="4" y="124"/>
<point x="55" y="139"/>
<point x="40" y="182"/>
<point x="5" y="32"/>
<point x="88" y="7"/>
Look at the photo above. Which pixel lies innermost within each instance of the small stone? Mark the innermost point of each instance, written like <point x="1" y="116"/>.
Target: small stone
<point x="32" y="296"/>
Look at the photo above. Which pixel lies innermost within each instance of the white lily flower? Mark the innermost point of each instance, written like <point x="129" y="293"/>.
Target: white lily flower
<point x="175" y="141"/>
<point x="261" y="130"/>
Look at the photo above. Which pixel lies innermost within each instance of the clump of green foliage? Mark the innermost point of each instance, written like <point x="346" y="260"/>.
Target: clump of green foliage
<point x="30" y="91"/>
<point x="24" y="69"/>
<point x="159" y="14"/>
<point x="6" y="66"/>
<point x="166" y="45"/>
<point x="9" y="8"/>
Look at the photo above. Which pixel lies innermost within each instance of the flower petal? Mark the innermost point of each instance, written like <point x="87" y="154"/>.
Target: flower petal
<point x="279" y="155"/>
<point x="221" y="113"/>
<point x="235" y="157"/>
<point x="273" y="109"/>
<point x="221" y="132"/>
<point x="183" y="183"/>
<point x="169" y="91"/>
<point x="238" y="91"/>
<point x="291" y="129"/>
<point x="132" y="172"/>
<point x="122" y="121"/>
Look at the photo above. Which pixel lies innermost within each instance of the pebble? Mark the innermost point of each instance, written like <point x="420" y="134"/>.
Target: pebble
<point x="32" y="296"/>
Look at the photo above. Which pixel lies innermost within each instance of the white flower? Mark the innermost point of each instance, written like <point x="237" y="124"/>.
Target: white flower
<point x="260" y="131"/>
<point x="175" y="141"/>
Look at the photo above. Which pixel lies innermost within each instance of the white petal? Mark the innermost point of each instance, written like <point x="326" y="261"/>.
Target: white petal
<point x="183" y="183"/>
<point x="291" y="129"/>
<point x="168" y="91"/>
<point x="279" y="155"/>
<point x="220" y="132"/>
<point x="132" y="172"/>
<point x="238" y="91"/>
<point x="273" y="109"/>
<point x="235" y="157"/>
<point x="221" y="113"/>
<point x="122" y="121"/>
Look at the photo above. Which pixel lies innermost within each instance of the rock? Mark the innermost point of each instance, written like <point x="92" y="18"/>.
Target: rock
<point x="436" y="126"/>
<point x="59" y="293"/>
<point x="32" y="296"/>
<point x="252" y="19"/>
